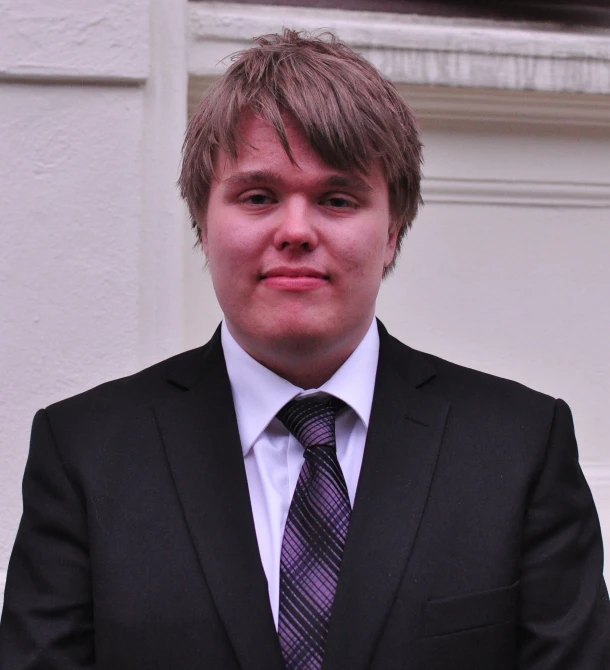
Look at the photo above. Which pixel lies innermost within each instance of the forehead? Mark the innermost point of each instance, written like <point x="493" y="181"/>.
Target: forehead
<point x="260" y="151"/>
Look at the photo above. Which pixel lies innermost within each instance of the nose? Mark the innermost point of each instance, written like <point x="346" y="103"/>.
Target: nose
<point x="296" y="227"/>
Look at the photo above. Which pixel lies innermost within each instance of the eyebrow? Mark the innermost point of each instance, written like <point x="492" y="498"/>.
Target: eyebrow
<point x="335" y="180"/>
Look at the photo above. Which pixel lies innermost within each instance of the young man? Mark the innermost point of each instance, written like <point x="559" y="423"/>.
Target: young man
<point x="305" y="491"/>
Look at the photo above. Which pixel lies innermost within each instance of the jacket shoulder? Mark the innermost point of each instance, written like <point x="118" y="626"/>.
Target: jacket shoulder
<point x="479" y="391"/>
<point x="124" y="395"/>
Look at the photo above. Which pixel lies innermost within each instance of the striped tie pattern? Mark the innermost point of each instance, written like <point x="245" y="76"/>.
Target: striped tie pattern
<point x="315" y="533"/>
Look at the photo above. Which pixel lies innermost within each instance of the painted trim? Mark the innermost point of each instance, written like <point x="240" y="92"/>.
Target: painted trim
<point x="470" y="105"/>
<point x="75" y="42"/>
<point x="458" y="104"/>
<point x="163" y="214"/>
<point x="418" y="50"/>
<point x="516" y="193"/>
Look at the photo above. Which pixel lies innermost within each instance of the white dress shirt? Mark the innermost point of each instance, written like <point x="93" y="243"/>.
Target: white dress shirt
<point x="273" y="457"/>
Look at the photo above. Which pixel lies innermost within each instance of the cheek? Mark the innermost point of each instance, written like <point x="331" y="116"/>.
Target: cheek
<point x="365" y="255"/>
<point x="229" y="247"/>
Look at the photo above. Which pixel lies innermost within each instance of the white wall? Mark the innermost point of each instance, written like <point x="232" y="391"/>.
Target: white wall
<point x="92" y="113"/>
<point x="68" y="240"/>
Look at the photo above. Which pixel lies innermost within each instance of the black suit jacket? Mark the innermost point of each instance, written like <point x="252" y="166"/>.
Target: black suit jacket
<point x="474" y="542"/>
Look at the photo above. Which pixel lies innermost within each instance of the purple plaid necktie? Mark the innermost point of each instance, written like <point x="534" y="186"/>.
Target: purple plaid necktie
<point x="315" y="533"/>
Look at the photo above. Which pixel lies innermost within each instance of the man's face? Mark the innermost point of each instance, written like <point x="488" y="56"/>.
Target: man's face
<point x="296" y="252"/>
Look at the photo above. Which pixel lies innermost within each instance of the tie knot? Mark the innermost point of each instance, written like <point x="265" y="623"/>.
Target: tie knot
<point x="311" y="419"/>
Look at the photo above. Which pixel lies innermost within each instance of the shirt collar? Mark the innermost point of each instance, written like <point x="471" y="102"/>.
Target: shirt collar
<point x="259" y="394"/>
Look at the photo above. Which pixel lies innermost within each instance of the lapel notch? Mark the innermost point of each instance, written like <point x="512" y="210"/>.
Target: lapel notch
<point x="400" y="456"/>
<point x="199" y="432"/>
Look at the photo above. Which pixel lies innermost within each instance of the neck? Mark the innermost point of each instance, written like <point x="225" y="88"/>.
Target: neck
<point x="305" y="373"/>
<point x="305" y="363"/>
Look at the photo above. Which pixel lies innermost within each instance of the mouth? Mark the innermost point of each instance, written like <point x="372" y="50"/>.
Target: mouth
<point x="294" y="272"/>
<point x="294" y="278"/>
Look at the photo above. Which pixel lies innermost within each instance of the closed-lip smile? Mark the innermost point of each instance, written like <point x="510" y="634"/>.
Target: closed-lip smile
<point x="294" y="279"/>
<point x="298" y="271"/>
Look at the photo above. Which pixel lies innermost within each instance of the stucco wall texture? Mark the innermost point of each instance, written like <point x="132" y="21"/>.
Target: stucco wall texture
<point x="70" y="202"/>
<point x="71" y="126"/>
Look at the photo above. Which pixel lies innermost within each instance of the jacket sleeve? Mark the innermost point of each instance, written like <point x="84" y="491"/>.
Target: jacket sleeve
<point x="564" y="609"/>
<point x="47" y="620"/>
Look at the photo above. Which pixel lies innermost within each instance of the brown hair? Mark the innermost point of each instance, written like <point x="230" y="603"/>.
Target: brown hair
<point x="350" y="114"/>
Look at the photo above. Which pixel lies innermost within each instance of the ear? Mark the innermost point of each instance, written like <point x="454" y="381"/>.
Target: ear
<point x="390" y="249"/>
<point x="204" y="239"/>
<point x="202" y="231"/>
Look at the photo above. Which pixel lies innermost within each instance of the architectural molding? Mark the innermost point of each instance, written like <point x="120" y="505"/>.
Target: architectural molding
<point x="419" y="50"/>
<point x="54" y="42"/>
<point x="164" y="219"/>
<point x="516" y="193"/>
<point x="460" y="104"/>
<point x="443" y="103"/>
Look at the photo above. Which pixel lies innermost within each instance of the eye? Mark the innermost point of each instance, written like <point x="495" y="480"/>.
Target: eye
<point x="340" y="202"/>
<point x="257" y="199"/>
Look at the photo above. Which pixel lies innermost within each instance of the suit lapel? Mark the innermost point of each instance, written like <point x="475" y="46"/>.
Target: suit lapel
<point x="401" y="451"/>
<point x="199" y="432"/>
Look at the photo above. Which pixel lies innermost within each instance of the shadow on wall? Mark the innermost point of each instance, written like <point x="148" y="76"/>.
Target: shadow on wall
<point x="567" y="13"/>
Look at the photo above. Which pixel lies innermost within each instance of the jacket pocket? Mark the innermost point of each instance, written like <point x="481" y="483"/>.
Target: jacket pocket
<point x="472" y="610"/>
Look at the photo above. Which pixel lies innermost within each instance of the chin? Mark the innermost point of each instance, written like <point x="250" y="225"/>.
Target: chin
<point x="298" y="335"/>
